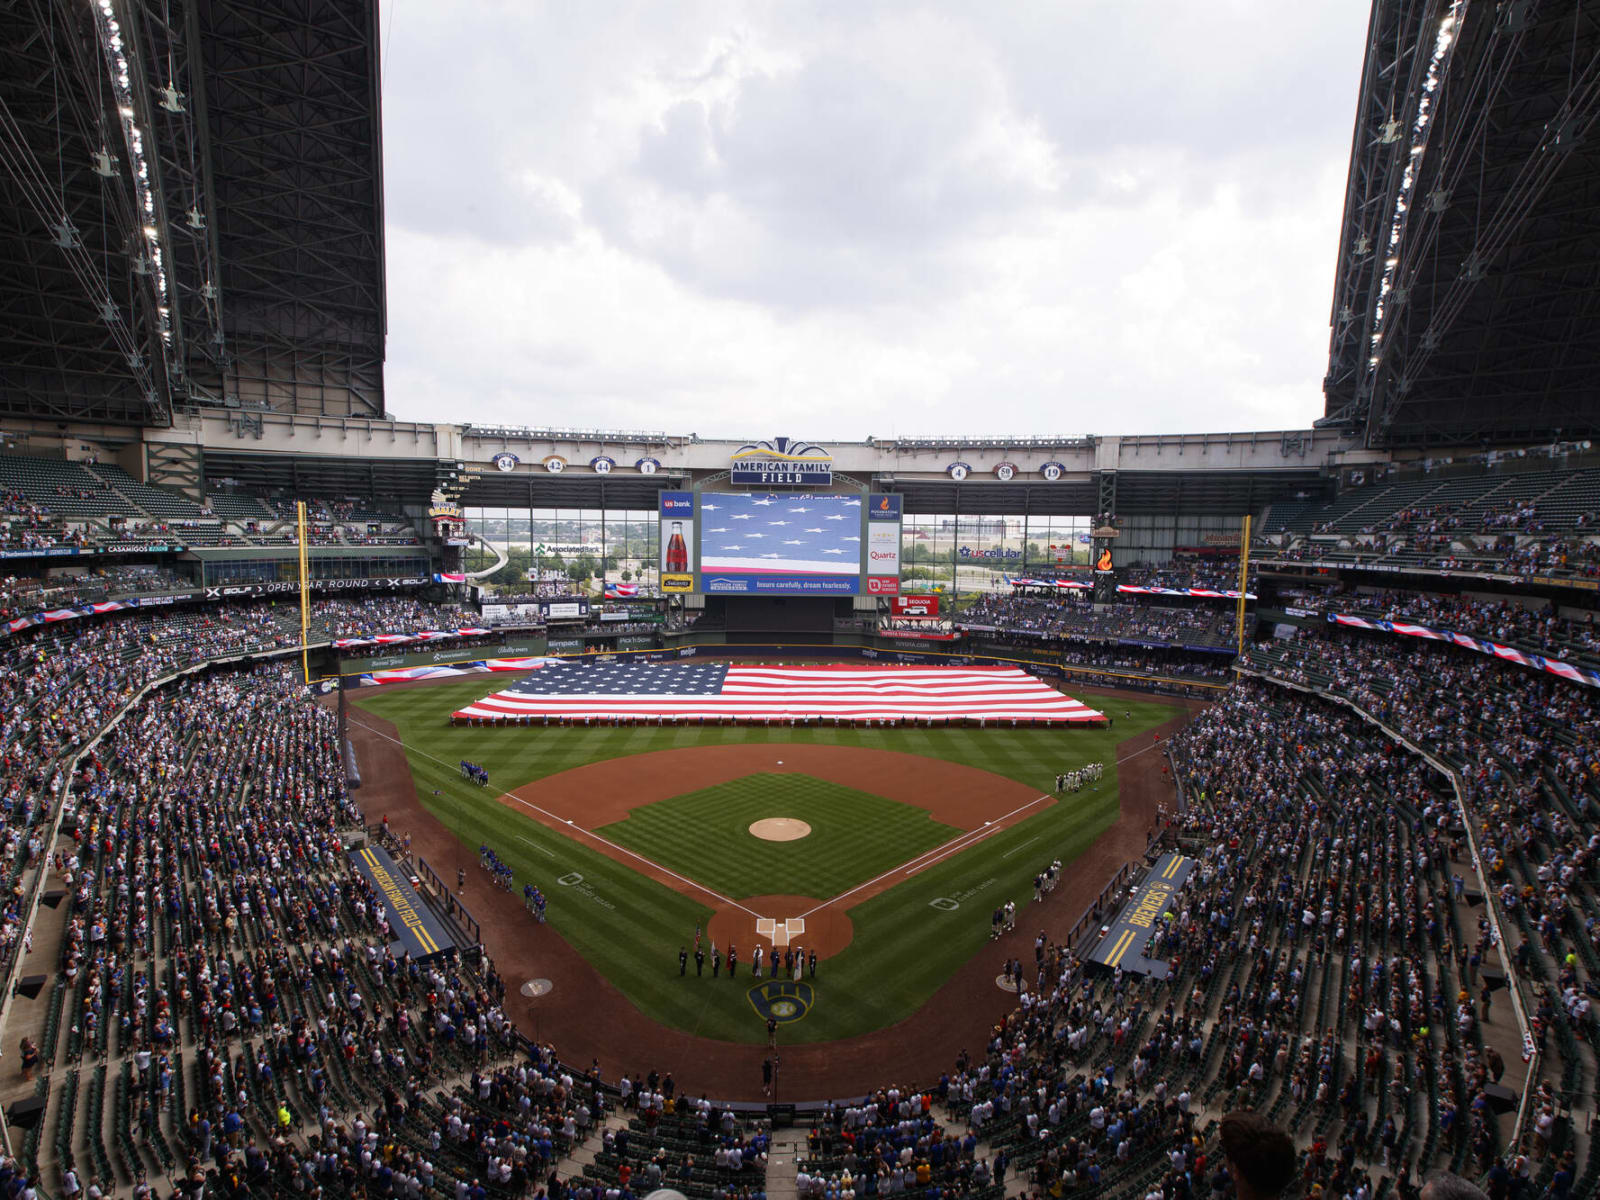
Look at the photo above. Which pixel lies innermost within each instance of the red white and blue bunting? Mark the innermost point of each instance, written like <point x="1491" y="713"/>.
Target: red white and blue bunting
<point x="1128" y="589"/>
<point x="400" y="639"/>
<point x="1535" y="662"/>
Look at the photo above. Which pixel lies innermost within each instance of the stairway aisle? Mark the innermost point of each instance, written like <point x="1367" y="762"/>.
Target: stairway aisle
<point x="783" y="1159"/>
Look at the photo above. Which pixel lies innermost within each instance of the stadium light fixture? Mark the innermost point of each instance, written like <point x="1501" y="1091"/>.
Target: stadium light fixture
<point x="1443" y="40"/>
<point x="114" y="48"/>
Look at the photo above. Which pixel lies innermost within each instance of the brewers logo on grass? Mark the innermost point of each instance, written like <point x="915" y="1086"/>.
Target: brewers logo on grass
<point x="782" y="1000"/>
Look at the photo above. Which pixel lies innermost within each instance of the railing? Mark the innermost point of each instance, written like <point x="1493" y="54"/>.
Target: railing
<point x="1088" y="925"/>
<point x="454" y="910"/>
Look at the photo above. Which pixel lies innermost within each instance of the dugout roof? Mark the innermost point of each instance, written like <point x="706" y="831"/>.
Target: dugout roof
<point x="1123" y="943"/>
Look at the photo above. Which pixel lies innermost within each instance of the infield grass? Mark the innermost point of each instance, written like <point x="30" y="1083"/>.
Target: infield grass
<point x="706" y="835"/>
<point x="630" y="927"/>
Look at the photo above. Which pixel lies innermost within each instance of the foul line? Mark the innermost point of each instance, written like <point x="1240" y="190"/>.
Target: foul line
<point x="912" y="865"/>
<point x="1136" y="753"/>
<point x="535" y="845"/>
<point x="631" y="854"/>
<point x="564" y="821"/>
<point x="1019" y="846"/>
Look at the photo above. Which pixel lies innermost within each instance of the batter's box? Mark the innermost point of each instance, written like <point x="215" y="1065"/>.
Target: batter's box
<point x="778" y="933"/>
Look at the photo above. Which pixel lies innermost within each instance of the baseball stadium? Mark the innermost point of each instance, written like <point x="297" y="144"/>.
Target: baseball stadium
<point x="445" y="808"/>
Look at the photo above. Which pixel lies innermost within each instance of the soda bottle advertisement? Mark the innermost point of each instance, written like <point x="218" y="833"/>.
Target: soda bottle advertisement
<point x="677" y="537"/>
<point x="677" y="550"/>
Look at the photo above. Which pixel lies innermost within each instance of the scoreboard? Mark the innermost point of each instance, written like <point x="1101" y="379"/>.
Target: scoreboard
<point x="780" y="543"/>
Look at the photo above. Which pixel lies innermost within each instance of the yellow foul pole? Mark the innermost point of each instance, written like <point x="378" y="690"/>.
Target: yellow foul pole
<point x="305" y="589"/>
<point x="1244" y="576"/>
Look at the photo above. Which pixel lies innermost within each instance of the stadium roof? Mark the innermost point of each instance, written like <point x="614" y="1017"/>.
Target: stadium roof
<point x="193" y="210"/>
<point x="1467" y="292"/>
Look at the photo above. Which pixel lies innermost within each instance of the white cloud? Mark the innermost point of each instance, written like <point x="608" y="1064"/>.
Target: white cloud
<point x="866" y="219"/>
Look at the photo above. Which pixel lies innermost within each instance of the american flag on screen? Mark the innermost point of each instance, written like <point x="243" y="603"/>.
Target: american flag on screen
<point x="753" y="534"/>
<point x="723" y="691"/>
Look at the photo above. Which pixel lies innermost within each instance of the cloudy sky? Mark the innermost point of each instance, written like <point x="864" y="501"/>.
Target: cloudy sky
<point x="832" y="220"/>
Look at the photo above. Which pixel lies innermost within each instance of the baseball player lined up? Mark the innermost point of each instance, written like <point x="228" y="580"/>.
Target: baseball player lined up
<point x="1076" y="781"/>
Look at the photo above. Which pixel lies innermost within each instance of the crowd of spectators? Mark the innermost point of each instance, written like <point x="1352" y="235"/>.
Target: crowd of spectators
<point x="26" y="524"/>
<point x="1536" y="626"/>
<point x="227" y="990"/>
<point x="223" y="954"/>
<point x="1527" y="748"/>
<point x="1220" y="574"/>
<point x="23" y="595"/>
<point x="1325" y="975"/>
<point x="370" y="616"/>
<point x="1506" y="554"/>
<point x="1350" y="848"/>
<point x="1074" y="618"/>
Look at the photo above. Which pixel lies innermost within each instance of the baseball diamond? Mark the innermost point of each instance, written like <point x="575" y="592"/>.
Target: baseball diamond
<point x="650" y="828"/>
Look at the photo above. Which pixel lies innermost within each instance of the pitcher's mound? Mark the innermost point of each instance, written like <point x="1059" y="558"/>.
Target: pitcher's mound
<point x="780" y="829"/>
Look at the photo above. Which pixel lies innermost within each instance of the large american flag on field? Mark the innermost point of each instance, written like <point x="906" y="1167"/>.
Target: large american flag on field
<point x="688" y="691"/>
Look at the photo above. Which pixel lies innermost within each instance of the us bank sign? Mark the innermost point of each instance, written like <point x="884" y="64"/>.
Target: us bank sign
<point x="782" y="461"/>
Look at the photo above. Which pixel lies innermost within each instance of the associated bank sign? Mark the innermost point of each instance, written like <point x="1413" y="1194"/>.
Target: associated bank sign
<point x="782" y="461"/>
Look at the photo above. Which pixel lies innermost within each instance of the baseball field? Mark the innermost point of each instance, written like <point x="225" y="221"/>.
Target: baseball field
<point x="885" y="850"/>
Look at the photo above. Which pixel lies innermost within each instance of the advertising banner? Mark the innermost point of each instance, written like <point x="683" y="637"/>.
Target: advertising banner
<point x="883" y="585"/>
<point x="883" y="549"/>
<point x="636" y="641"/>
<point x="914" y="606"/>
<point x="677" y="538"/>
<point x="883" y="507"/>
<point x="497" y="614"/>
<point x="564" y="610"/>
<point x="284" y="587"/>
<point x="566" y="646"/>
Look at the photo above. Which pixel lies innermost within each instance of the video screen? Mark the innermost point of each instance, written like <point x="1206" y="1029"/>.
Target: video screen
<point x="780" y="544"/>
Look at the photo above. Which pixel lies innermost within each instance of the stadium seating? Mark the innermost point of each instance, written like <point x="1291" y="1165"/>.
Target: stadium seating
<point x="1329" y="957"/>
<point x="48" y="502"/>
<point x="1076" y="619"/>
<point x="202" y="986"/>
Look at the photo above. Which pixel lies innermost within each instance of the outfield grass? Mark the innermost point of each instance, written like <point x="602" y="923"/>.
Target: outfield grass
<point x="706" y="836"/>
<point x="630" y="927"/>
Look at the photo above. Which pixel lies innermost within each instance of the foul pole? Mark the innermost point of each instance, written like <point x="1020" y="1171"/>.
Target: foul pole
<point x="1244" y="576"/>
<point x="305" y="589"/>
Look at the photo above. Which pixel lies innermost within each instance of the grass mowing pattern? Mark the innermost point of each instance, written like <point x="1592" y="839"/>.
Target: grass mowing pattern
<point x="630" y="927"/>
<point x="705" y="835"/>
